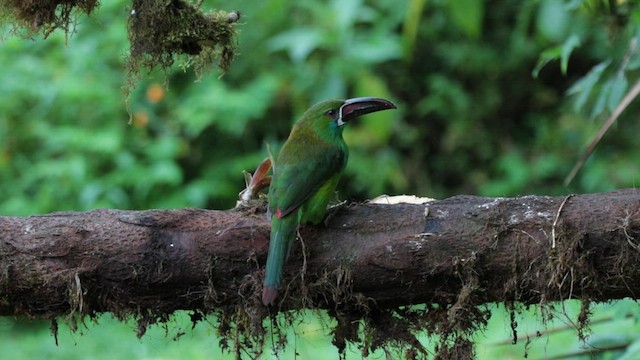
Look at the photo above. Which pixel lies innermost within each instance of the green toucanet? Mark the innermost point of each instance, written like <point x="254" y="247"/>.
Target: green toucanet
<point x="305" y="175"/>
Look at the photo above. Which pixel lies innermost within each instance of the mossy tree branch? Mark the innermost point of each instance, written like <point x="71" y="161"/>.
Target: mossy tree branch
<point x="368" y="261"/>
<point x="387" y="255"/>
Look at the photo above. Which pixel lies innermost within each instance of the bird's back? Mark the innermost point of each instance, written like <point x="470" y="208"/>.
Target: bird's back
<point x="306" y="162"/>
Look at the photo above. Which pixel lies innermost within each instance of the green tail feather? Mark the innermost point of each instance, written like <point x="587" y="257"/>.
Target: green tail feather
<point x="283" y="233"/>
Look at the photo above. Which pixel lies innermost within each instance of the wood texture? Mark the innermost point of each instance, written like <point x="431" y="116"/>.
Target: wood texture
<point x="463" y="248"/>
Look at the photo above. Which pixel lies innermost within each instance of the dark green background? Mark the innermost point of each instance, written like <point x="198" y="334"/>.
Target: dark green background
<point x="472" y="119"/>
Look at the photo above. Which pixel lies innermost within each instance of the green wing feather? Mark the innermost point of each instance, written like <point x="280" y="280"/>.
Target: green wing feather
<point x="304" y="176"/>
<point x="300" y="171"/>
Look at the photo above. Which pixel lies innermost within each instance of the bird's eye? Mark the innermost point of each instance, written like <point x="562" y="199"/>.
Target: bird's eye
<point x="332" y="113"/>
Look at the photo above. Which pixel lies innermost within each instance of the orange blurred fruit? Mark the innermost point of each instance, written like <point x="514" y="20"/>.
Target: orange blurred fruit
<point x="140" y="118"/>
<point x="155" y="93"/>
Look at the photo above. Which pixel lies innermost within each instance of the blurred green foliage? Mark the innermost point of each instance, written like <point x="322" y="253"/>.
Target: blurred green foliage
<point x="472" y="118"/>
<point x="547" y="335"/>
<point x="495" y="99"/>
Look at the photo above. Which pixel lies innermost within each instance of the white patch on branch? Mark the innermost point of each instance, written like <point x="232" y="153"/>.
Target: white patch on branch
<point x="400" y="199"/>
<point x="491" y="204"/>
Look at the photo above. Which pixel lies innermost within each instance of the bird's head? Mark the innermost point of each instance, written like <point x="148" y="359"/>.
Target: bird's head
<point x="339" y="112"/>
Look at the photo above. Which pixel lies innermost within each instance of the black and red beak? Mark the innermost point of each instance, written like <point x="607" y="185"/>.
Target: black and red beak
<point x="352" y="108"/>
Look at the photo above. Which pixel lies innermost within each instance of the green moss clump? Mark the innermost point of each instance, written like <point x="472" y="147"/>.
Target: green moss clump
<point x="161" y="29"/>
<point x="44" y="16"/>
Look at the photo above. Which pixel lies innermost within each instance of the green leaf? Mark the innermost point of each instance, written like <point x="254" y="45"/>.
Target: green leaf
<point x="411" y="24"/>
<point x="298" y="42"/>
<point x="553" y="20"/>
<point x="468" y="16"/>
<point x="618" y="88"/>
<point x="546" y="57"/>
<point x="567" y="48"/>
<point x="584" y="86"/>
<point x="562" y="52"/>
<point x="601" y="100"/>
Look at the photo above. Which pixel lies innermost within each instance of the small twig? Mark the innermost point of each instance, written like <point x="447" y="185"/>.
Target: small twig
<point x="555" y="221"/>
<point x="590" y="351"/>
<point x="301" y="274"/>
<point x="79" y="293"/>
<point x="564" y="278"/>
<point x="303" y="271"/>
<point x="529" y="235"/>
<point x="631" y="95"/>
<point x="625" y="225"/>
<point x="571" y="285"/>
<point x="555" y="329"/>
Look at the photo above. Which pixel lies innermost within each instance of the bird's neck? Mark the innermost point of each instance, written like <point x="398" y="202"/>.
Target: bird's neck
<point x="330" y="132"/>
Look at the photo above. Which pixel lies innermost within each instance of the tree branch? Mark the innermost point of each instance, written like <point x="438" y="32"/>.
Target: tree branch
<point x="463" y="250"/>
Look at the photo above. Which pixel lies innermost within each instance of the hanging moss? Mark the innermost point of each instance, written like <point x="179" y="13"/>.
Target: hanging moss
<point x="44" y="16"/>
<point x="161" y="29"/>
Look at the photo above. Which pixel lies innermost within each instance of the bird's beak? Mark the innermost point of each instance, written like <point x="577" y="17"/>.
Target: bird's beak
<point x="352" y="108"/>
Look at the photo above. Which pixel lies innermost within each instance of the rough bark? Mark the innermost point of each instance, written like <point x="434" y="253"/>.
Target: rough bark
<point x="464" y="250"/>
